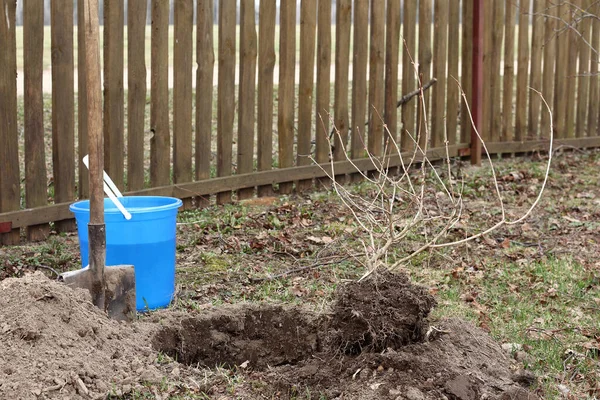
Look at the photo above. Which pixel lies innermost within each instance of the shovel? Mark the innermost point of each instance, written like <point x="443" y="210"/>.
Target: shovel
<point x="112" y="288"/>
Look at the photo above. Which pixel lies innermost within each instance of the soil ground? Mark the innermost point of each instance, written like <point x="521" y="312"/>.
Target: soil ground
<point x="375" y="343"/>
<point x="269" y="283"/>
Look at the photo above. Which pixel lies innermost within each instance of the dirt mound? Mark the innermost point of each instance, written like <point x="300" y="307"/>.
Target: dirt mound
<point x="375" y="344"/>
<point x="55" y="344"/>
<point x="382" y="312"/>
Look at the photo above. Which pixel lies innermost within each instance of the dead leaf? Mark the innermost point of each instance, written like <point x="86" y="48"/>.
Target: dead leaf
<point x="505" y="243"/>
<point x="526" y="227"/>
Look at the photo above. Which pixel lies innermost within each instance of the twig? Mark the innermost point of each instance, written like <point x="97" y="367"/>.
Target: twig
<point x="300" y="269"/>
<point x="48" y="268"/>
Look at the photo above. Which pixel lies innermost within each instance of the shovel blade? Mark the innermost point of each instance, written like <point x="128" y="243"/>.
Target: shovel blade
<point x="119" y="290"/>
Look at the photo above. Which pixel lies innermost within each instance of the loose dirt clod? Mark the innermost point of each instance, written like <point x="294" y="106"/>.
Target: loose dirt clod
<point x="385" y="311"/>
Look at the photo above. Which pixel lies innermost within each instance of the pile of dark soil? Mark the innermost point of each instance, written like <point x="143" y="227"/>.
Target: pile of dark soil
<point x="376" y="343"/>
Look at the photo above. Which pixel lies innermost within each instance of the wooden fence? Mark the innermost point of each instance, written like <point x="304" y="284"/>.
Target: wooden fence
<point x="276" y="102"/>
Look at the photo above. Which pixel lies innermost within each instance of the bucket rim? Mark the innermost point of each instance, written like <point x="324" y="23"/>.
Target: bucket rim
<point x="77" y="206"/>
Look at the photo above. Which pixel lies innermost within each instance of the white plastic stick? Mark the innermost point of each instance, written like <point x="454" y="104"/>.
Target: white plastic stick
<point x="111" y="191"/>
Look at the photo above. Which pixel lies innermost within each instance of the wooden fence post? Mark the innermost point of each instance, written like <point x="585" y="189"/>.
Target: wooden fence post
<point x="359" y="77"/>
<point x="376" y="64"/>
<point x="323" y="92"/>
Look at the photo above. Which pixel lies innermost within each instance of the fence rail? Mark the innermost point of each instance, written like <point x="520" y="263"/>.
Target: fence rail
<point x="259" y="137"/>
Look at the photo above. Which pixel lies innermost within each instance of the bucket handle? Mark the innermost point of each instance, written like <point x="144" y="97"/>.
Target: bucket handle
<point x="111" y="190"/>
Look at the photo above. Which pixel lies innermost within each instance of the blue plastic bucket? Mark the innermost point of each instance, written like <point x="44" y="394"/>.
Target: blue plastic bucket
<point x="146" y="241"/>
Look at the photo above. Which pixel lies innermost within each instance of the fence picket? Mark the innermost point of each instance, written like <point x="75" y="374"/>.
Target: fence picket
<point x="466" y="68"/>
<point x="390" y="112"/>
<point x="496" y="83"/>
<point x="36" y="185"/>
<point x="182" y="94"/>
<point x="506" y="133"/>
<point x="136" y="93"/>
<point x="323" y="90"/>
<point x="359" y="77"/>
<point x="408" y="48"/>
<point x="593" y="122"/>
<point x="63" y="103"/>
<point x="266" y="68"/>
<point x="308" y="24"/>
<point x="452" y="87"/>
<point x="535" y="71"/>
<point x="226" y="92"/>
<point x="342" y="62"/>
<point x="114" y="139"/>
<point x="440" y="44"/>
<point x="160" y="142"/>
<point x="376" y="63"/>
<point x="9" y="176"/>
<point x="424" y="61"/>
<point x="82" y="124"/>
<point x="205" y="58"/>
<point x="247" y="94"/>
<point x="583" y="75"/>
<point x="549" y="61"/>
<point x="522" y="71"/>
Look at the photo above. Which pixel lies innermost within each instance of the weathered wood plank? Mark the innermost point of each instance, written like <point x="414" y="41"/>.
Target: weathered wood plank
<point x="496" y="84"/>
<point x="390" y="111"/>
<point x="226" y="92"/>
<point x="10" y="193"/>
<point x="376" y="82"/>
<point x="593" y="127"/>
<point x="287" y="87"/>
<point x="522" y="91"/>
<point x="440" y="48"/>
<point x="114" y="139"/>
<point x="83" y="185"/>
<point x="36" y="186"/>
<point x="466" y="68"/>
<point x="63" y="114"/>
<point x="266" y="67"/>
<point x="61" y="211"/>
<point x="583" y="75"/>
<point x="136" y="93"/>
<point x="341" y="117"/>
<point x="408" y="48"/>
<point x="424" y="60"/>
<point x="182" y="93"/>
<point x="359" y="77"/>
<point x="160" y="142"/>
<point x="205" y="58"/>
<point x="308" y="24"/>
<point x="549" y="61"/>
<point x="509" y="73"/>
<point x="452" y="94"/>
<point x="323" y="91"/>
<point x="572" y="81"/>
<point x="488" y="80"/>
<point x="561" y="77"/>
<point x="535" y="70"/>
<point x="247" y="93"/>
